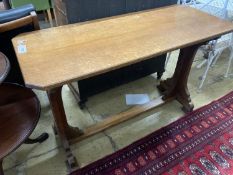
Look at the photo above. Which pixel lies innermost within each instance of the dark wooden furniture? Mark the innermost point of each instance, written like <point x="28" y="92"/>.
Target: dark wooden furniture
<point x="73" y="11"/>
<point x="19" y="114"/>
<point x="55" y="57"/>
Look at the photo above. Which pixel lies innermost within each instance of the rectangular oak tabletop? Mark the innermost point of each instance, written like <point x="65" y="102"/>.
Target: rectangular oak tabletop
<point x="59" y="55"/>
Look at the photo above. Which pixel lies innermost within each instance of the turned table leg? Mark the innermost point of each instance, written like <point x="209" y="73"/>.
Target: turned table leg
<point x="64" y="130"/>
<point x="177" y="85"/>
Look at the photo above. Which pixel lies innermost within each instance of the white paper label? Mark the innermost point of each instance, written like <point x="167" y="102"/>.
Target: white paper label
<point x="22" y="48"/>
<point x="137" y="99"/>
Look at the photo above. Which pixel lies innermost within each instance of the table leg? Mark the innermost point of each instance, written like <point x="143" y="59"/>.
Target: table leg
<point x="64" y="130"/>
<point x="177" y="85"/>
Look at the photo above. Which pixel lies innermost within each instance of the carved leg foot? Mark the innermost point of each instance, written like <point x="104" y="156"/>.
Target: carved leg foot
<point x="187" y="105"/>
<point x="177" y="85"/>
<point x="165" y="85"/>
<point x="183" y="97"/>
<point x="71" y="161"/>
<point x="39" y="139"/>
<point x="73" y="132"/>
<point x="187" y="108"/>
<point x="162" y="87"/>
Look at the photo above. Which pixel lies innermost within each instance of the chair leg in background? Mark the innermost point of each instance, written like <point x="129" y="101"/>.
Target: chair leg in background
<point x="217" y="57"/>
<point x="209" y="62"/>
<point x="199" y="66"/>
<point x="39" y="139"/>
<point x="50" y="17"/>
<point x="167" y="59"/>
<point x="229" y="64"/>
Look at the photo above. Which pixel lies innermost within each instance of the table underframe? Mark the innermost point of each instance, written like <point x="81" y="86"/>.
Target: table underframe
<point x="171" y="88"/>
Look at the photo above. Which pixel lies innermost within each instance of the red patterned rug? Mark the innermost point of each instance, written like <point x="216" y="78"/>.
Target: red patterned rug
<point x="200" y="143"/>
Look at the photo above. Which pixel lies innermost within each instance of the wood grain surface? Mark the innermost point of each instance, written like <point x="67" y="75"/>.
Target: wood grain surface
<point x="64" y="54"/>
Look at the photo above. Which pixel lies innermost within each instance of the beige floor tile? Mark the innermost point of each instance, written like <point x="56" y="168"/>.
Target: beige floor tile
<point x="9" y="162"/>
<point x="10" y="171"/>
<point x="113" y="101"/>
<point x="75" y="116"/>
<point x="92" y="149"/>
<point x="50" y="163"/>
<point x="134" y="129"/>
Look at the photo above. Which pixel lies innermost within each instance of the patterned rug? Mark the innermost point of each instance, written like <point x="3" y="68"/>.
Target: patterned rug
<point x="200" y="143"/>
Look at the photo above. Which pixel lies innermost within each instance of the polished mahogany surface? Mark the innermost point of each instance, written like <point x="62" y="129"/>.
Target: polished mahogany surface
<point x="19" y="114"/>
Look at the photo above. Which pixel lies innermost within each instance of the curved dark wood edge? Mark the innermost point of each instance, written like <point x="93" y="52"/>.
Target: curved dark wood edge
<point x="44" y="136"/>
<point x="6" y="68"/>
<point x="34" y="124"/>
